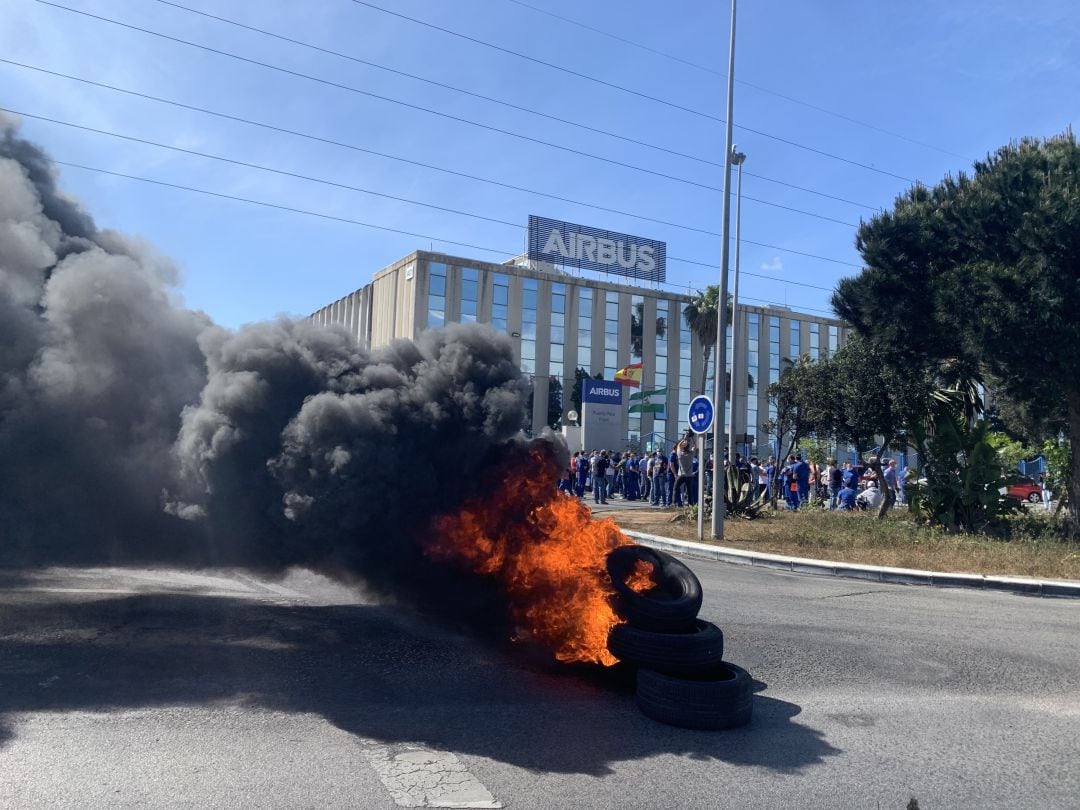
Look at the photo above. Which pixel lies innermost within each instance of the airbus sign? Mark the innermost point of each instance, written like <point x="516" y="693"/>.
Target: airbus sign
<point x="601" y="391"/>
<point x="593" y="249"/>
<point x="603" y="424"/>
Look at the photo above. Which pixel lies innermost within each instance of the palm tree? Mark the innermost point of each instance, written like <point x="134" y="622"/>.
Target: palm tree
<point x="637" y="329"/>
<point x="700" y="316"/>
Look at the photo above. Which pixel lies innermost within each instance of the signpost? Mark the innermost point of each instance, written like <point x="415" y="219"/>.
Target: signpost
<point x="700" y="417"/>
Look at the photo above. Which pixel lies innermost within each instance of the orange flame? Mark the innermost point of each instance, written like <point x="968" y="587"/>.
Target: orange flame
<point x="547" y="553"/>
<point x="641" y="580"/>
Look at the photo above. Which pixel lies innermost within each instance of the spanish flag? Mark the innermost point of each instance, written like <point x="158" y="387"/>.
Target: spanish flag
<point x="631" y="375"/>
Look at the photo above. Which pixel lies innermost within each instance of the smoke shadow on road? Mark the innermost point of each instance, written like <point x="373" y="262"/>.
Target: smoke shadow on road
<point x="373" y="671"/>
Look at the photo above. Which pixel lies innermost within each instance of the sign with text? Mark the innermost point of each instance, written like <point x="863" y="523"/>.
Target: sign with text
<point x="604" y="391"/>
<point x="593" y="249"/>
<point x="602" y="425"/>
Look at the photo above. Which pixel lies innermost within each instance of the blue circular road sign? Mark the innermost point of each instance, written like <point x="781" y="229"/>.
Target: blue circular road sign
<point x="700" y="414"/>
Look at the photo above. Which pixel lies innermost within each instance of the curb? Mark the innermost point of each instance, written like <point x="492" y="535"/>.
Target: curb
<point x="873" y="573"/>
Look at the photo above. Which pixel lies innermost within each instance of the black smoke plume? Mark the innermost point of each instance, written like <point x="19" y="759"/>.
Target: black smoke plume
<point x="134" y="430"/>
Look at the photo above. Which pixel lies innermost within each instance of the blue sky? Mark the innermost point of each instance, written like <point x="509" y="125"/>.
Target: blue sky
<point x="962" y="78"/>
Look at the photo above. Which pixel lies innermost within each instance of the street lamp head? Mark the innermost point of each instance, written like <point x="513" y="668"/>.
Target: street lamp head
<point x="737" y="157"/>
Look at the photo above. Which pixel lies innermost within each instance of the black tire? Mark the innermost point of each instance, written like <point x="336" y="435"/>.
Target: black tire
<point x="1034" y="497"/>
<point x="719" y="698"/>
<point x="700" y="649"/>
<point x="671" y="605"/>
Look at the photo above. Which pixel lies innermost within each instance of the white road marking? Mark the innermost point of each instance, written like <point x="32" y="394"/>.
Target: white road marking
<point x="418" y="777"/>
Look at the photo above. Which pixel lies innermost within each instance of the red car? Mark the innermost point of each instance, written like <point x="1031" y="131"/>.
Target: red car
<point x="1026" y="490"/>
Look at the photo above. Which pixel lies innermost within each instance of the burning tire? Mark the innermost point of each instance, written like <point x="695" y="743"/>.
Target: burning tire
<point x="672" y="596"/>
<point x="715" y="699"/>
<point x="700" y="649"/>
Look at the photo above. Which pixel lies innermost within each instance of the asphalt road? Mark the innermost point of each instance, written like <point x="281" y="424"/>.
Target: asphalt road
<point x="165" y="688"/>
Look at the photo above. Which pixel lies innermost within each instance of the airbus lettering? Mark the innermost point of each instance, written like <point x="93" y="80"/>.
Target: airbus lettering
<point x="606" y="392"/>
<point x="601" y="250"/>
<point x="601" y="391"/>
<point x="594" y="249"/>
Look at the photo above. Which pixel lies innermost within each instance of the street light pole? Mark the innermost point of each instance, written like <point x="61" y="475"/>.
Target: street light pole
<point x="719" y="418"/>
<point x="737" y="158"/>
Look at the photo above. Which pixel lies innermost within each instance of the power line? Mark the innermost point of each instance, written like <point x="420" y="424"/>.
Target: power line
<point x="409" y="161"/>
<point x="346" y="186"/>
<point x="288" y="208"/>
<point x="443" y="85"/>
<point x="502" y="102"/>
<point x="755" y="275"/>
<point x="347" y="220"/>
<point x="758" y="87"/>
<point x="259" y="167"/>
<point x="624" y="89"/>
<point x="448" y="116"/>
<point x="354" y="147"/>
<point x="618" y="38"/>
<point x="534" y="60"/>
<point x="802" y="308"/>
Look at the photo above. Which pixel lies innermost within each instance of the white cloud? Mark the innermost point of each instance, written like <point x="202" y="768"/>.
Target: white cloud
<point x="773" y="264"/>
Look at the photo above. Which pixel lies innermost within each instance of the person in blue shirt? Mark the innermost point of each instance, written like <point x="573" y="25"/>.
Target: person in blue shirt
<point x="845" y="499"/>
<point x="789" y="484"/>
<point x="802" y="479"/>
<point x="630" y="478"/>
<point x="892" y="478"/>
<point x="581" y="467"/>
<point x="672" y="474"/>
<point x="848" y="476"/>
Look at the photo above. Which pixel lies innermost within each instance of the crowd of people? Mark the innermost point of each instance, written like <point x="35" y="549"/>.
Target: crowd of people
<point x="671" y="479"/>
<point x="661" y="479"/>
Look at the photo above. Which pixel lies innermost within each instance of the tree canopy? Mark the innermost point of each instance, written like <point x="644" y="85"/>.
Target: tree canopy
<point x="983" y="271"/>
<point x="700" y="315"/>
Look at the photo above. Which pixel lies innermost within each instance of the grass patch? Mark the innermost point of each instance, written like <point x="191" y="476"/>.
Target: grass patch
<point x="1029" y="544"/>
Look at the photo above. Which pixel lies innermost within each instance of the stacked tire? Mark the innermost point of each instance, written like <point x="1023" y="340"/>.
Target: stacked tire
<point x="682" y="678"/>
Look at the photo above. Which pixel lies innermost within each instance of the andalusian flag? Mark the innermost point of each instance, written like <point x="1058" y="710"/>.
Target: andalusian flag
<point x="631" y="375"/>
<point x="648" y="401"/>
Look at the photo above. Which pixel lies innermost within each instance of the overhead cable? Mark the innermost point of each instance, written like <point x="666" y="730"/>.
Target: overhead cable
<point x="704" y="68"/>
<point x="502" y="102"/>
<point x="348" y="220"/>
<point x="624" y="89"/>
<point x="409" y="161"/>
<point x="354" y="147"/>
<point x="448" y="116"/>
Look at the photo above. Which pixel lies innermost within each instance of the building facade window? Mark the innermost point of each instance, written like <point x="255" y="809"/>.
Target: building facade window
<point x="774" y="360"/>
<point x="685" y="338"/>
<point x="753" y="325"/>
<point x="436" y="294"/>
<point x="815" y="341"/>
<point x="611" y="335"/>
<point x="729" y="413"/>
<point x="774" y="350"/>
<point x="584" y="334"/>
<point x="660" y="374"/>
<point x="529" y="288"/>
<point x="470" y="293"/>
<point x="500" y="301"/>
<point x="637" y="349"/>
<point x="795" y="349"/>
<point x="558" y="330"/>
<point x="834" y="339"/>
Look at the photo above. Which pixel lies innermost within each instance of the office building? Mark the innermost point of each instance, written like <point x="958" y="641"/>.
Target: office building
<point x="560" y="322"/>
